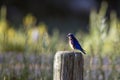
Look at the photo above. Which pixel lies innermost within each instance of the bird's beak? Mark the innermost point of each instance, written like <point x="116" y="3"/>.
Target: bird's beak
<point x="67" y="36"/>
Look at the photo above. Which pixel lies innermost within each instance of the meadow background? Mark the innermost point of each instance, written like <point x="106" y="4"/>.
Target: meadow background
<point x="27" y="53"/>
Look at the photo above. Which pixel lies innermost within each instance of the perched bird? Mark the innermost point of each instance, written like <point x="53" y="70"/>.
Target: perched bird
<point x="74" y="44"/>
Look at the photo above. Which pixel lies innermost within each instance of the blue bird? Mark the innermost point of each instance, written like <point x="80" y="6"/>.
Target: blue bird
<point x="74" y="44"/>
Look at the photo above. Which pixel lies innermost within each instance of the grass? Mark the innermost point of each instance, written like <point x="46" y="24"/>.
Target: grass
<point x="31" y="41"/>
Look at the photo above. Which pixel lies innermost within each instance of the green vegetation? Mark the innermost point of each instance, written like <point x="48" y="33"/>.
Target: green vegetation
<point x="103" y="40"/>
<point x="29" y="38"/>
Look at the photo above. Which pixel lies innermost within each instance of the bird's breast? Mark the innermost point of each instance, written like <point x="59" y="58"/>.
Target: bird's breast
<point x="71" y="45"/>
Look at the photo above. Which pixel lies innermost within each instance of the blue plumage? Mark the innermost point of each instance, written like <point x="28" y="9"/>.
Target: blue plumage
<point x="74" y="44"/>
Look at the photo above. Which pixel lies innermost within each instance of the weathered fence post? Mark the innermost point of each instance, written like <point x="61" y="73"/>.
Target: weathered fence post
<point x="68" y="66"/>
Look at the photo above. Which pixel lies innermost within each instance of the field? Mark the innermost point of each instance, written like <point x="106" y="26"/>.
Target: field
<point x="27" y="53"/>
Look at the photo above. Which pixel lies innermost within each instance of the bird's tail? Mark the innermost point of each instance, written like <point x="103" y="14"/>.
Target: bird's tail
<point x="83" y="51"/>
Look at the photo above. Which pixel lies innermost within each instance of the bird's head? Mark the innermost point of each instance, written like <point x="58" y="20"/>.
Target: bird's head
<point x="70" y="35"/>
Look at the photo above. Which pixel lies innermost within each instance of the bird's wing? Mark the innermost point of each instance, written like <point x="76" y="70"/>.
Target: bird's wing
<point x="78" y="46"/>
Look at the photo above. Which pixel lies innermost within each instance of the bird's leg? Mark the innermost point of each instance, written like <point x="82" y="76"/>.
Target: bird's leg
<point x="73" y="50"/>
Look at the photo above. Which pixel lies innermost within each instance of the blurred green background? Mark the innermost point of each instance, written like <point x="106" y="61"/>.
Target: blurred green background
<point x="27" y="49"/>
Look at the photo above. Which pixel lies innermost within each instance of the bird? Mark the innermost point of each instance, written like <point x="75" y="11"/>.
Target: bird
<point x="74" y="44"/>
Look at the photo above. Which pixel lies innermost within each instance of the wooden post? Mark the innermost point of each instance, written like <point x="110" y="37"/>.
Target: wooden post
<point x="68" y="66"/>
